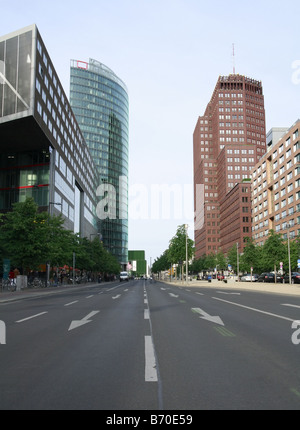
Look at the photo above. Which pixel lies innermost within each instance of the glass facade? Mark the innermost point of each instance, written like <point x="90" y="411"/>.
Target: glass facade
<point x="24" y="174"/>
<point x="99" y="101"/>
<point x="15" y="74"/>
<point x="42" y="150"/>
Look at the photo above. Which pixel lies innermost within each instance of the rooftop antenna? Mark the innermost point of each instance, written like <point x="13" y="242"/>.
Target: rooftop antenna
<point x="233" y="59"/>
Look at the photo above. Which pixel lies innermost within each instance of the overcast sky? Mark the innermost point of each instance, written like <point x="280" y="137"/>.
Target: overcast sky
<point x="170" y="54"/>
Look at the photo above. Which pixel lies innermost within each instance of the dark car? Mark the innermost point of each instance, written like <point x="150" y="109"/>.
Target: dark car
<point x="268" y="277"/>
<point x="295" y="278"/>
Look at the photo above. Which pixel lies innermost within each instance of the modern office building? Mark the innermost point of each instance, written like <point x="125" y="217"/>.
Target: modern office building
<point x="276" y="189"/>
<point x="99" y="100"/>
<point x="228" y="141"/>
<point x="43" y="153"/>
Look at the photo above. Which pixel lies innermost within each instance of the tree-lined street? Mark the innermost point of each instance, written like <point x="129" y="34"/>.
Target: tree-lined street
<point x="150" y="346"/>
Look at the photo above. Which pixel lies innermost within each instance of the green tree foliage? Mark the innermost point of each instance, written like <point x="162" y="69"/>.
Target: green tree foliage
<point x="251" y="257"/>
<point x="162" y="263"/>
<point x="221" y="261"/>
<point x="273" y="252"/>
<point x="30" y="238"/>
<point x="177" y="247"/>
<point x="232" y="257"/>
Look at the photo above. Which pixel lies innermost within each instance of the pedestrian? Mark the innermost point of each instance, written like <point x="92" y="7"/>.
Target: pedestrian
<point x="12" y="277"/>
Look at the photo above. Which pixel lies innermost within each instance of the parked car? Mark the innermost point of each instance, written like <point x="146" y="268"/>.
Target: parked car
<point x="247" y="277"/>
<point x="268" y="277"/>
<point x="295" y="278"/>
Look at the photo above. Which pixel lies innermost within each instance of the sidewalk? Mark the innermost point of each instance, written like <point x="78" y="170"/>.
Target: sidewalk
<point x="7" y="296"/>
<point x="293" y="289"/>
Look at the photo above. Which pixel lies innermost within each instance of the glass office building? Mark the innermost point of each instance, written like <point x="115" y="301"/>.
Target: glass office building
<point x="99" y="99"/>
<point x="42" y="150"/>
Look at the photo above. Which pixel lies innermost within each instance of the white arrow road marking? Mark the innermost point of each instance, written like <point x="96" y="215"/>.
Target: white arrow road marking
<point x="206" y="316"/>
<point x="173" y="295"/>
<point x="116" y="297"/>
<point x="33" y="316"/>
<point x="85" y="320"/>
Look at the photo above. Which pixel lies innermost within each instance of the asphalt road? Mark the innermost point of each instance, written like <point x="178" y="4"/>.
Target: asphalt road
<point x="153" y="346"/>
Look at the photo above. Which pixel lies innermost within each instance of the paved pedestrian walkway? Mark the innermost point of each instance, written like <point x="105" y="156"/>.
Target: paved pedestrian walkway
<point x="293" y="289"/>
<point x="6" y="296"/>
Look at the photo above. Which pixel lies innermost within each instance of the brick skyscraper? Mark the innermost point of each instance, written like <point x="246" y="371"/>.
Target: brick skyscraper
<point x="228" y="141"/>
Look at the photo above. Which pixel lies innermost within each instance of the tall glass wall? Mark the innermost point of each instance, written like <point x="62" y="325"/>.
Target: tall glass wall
<point x="15" y="74"/>
<point x="99" y="101"/>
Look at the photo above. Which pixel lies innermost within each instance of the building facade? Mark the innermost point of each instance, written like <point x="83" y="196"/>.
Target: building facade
<point x="228" y="141"/>
<point x="276" y="188"/>
<point x="43" y="153"/>
<point x="99" y="100"/>
<point x="137" y="263"/>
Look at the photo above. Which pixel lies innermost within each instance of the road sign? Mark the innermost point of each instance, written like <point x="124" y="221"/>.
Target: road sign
<point x="298" y="264"/>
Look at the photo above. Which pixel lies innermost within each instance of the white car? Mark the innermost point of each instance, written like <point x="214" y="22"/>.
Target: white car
<point x="124" y="276"/>
<point x="247" y="278"/>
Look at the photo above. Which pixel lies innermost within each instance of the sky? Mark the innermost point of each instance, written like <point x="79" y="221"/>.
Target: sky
<point x="170" y="53"/>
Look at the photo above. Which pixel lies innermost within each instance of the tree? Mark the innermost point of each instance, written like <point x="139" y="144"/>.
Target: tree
<point x="24" y="235"/>
<point x="273" y="252"/>
<point x="221" y="261"/>
<point x="162" y="263"/>
<point x="250" y="258"/>
<point x="232" y="257"/>
<point x="210" y="261"/>
<point x="177" y="247"/>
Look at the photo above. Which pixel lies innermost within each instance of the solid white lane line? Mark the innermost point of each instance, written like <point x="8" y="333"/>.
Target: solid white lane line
<point x="33" y="316"/>
<point x="71" y="303"/>
<point x="150" y="362"/>
<point x="255" y="310"/>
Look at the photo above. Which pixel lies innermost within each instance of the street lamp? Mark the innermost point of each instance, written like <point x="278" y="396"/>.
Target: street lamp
<point x="289" y="252"/>
<point x="186" y="255"/>
<point x="237" y="260"/>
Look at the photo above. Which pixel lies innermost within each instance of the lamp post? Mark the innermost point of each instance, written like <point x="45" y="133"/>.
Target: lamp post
<point x="48" y="262"/>
<point x="186" y="255"/>
<point x="289" y="251"/>
<point x="237" y="260"/>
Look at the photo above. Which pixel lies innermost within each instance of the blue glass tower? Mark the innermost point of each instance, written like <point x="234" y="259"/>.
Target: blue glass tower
<point x="99" y="100"/>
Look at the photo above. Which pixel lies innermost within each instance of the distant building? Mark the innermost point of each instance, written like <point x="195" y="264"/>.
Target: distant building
<point x="99" y="100"/>
<point x="228" y="141"/>
<point x="276" y="189"/>
<point x="43" y="153"/>
<point x="137" y="263"/>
